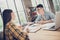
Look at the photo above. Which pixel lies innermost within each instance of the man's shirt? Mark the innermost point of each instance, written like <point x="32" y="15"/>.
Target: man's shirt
<point x="47" y="16"/>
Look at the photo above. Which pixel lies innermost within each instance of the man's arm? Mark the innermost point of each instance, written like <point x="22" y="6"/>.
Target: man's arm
<point x="38" y="18"/>
<point x="52" y="19"/>
<point x="52" y="16"/>
<point x="44" y="22"/>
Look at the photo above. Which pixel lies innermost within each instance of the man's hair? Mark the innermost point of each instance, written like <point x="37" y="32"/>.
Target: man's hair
<point x="39" y="6"/>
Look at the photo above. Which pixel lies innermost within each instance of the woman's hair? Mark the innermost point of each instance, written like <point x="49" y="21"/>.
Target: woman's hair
<point x="6" y="16"/>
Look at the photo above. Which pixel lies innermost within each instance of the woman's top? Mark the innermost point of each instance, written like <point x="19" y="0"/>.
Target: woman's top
<point x="13" y="33"/>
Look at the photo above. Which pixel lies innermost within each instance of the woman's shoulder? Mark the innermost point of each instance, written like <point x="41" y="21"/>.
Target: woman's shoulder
<point x="10" y="24"/>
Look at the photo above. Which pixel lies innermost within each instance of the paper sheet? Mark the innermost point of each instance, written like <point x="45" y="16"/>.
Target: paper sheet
<point x="48" y="25"/>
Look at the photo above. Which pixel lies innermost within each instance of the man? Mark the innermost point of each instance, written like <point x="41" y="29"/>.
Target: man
<point x="43" y="16"/>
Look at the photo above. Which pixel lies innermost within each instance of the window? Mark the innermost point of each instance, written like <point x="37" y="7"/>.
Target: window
<point x="46" y="5"/>
<point x="34" y="3"/>
<point x="3" y="4"/>
<point x="11" y="5"/>
<point x="21" y="12"/>
<point x="17" y="7"/>
<point x="43" y="2"/>
<point x="1" y="24"/>
<point x="56" y="5"/>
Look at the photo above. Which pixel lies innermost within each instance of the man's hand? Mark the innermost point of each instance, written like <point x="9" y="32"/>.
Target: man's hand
<point x="44" y="22"/>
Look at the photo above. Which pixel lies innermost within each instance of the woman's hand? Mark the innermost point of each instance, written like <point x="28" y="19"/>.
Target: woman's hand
<point x="26" y="29"/>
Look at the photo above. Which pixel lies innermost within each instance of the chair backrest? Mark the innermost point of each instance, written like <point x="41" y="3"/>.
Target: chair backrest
<point x="1" y="35"/>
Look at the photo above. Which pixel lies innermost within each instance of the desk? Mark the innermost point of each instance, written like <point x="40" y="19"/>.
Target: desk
<point x="45" y="35"/>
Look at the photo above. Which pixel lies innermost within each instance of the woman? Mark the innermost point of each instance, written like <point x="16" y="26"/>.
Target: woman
<point x="11" y="31"/>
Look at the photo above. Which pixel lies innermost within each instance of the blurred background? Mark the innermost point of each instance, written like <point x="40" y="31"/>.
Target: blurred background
<point x="22" y="8"/>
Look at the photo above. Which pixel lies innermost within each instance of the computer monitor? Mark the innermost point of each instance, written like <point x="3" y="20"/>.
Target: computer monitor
<point x="57" y="20"/>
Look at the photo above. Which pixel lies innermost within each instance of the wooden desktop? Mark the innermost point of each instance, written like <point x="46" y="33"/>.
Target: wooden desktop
<point x="45" y="35"/>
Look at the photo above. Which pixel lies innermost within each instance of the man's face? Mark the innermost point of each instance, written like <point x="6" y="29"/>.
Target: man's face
<point x="40" y="10"/>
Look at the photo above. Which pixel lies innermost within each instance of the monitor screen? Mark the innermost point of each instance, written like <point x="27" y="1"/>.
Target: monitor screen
<point x="58" y="19"/>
